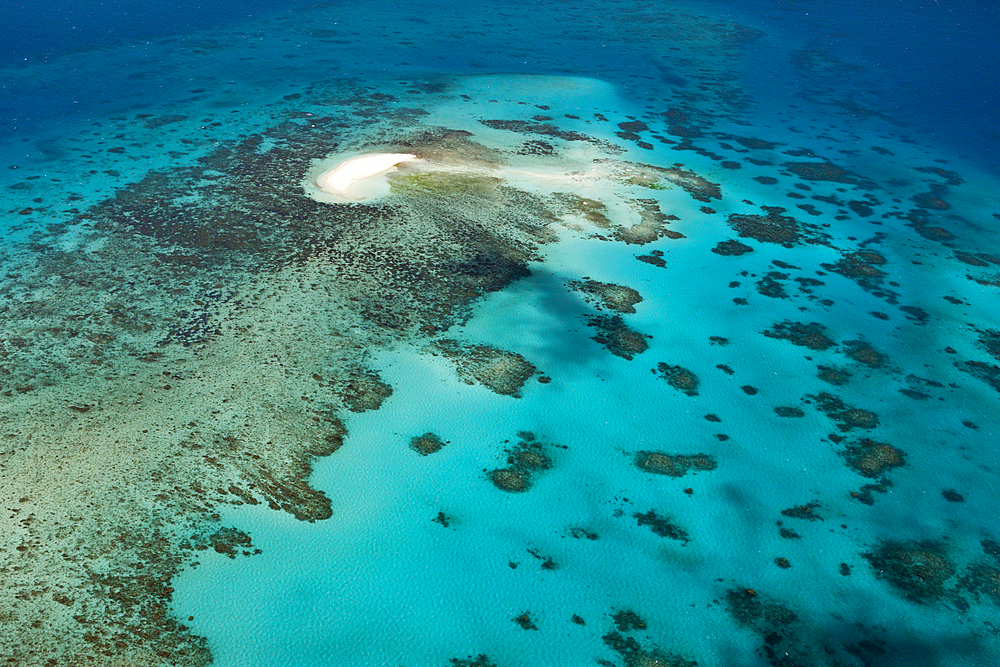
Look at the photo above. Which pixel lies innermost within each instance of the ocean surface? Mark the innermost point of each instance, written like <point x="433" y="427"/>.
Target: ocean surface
<point x="676" y="342"/>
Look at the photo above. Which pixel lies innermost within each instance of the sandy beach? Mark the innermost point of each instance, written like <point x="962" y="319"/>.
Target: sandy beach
<point x="348" y="179"/>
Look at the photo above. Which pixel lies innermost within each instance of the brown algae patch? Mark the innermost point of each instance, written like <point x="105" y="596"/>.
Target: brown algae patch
<point x="500" y="371"/>
<point x="673" y="465"/>
<point x="618" y="298"/>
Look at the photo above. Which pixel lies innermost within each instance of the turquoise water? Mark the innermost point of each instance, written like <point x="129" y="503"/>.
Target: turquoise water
<point x="749" y="251"/>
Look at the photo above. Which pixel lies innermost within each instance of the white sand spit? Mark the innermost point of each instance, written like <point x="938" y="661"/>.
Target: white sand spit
<point x="338" y="181"/>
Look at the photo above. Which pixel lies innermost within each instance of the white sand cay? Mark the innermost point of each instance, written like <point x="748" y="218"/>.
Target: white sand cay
<point x="346" y="179"/>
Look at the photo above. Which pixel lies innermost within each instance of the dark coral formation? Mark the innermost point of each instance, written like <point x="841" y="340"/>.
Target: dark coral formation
<point x="503" y="372"/>
<point x="678" y="377"/>
<point x="653" y="224"/>
<point x="627" y="620"/>
<point x="873" y="459"/>
<point x="661" y="525"/>
<point x="863" y="267"/>
<point x="731" y="248"/>
<point x="511" y="479"/>
<point x="524" y="620"/>
<point x="481" y="660"/>
<point x="920" y="571"/>
<point x="426" y="444"/>
<point x="807" y="512"/>
<point x="810" y="335"/>
<point x="826" y="171"/>
<point x="832" y="375"/>
<point x="655" y="258"/>
<point x="785" y="640"/>
<point x="864" y="353"/>
<point x="674" y="465"/>
<point x="848" y="416"/>
<point x="526" y="459"/>
<point x="770" y="285"/>
<point x="987" y="372"/>
<point x="989" y="342"/>
<point x="364" y="390"/>
<point x="982" y="581"/>
<point x="698" y="187"/>
<point x="618" y="298"/>
<point x="770" y="228"/>
<point x="751" y="610"/>
<point x="231" y="541"/>
<point x="634" y="655"/>
<point x="619" y="339"/>
<point x="544" y="129"/>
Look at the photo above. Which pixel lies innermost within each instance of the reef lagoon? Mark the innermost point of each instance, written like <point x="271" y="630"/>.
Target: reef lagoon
<point x="634" y="334"/>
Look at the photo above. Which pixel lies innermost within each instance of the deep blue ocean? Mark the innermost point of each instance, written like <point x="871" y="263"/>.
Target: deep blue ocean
<point x="656" y="333"/>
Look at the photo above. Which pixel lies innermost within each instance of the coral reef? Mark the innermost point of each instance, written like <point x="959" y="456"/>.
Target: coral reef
<point x="426" y="444"/>
<point x="678" y="377"/>
<point x="810" y="335"/>
<point x="526" y="459"/>
<point x="500" y="371"/>
<point x="619" y="339"/>
<point x="871" y="458"/>
<point x="661" y="525"/>
<point x="848" y="416"/>
<point x="826" y="171"/>
<point x="673" y="465"/>
<point x="920" y="571"/>
<point x="863" y="353"/>
<point x="731" y="248"/>
<point x="618" y="298"/>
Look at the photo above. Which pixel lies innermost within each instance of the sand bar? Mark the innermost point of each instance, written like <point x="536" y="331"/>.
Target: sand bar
<point x="339" y="180"/>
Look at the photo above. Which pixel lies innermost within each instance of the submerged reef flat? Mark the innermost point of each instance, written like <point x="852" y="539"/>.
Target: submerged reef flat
<point x="200" y="341"/>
